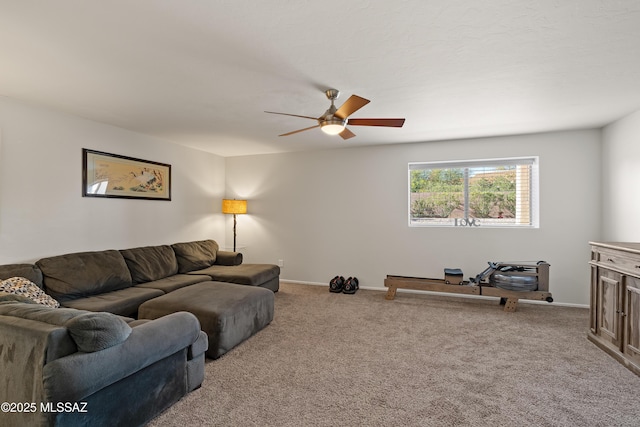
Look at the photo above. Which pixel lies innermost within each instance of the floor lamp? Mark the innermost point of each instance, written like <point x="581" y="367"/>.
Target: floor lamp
<point x="234" y="207"/>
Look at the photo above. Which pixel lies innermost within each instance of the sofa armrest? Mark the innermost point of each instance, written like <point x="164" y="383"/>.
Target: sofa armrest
<point x="228" y="258"/>
<point x="195" y="362"/>
<point x="79" y="375"/>
<point x="25" y="346"/>
<point x="198" y="347"/>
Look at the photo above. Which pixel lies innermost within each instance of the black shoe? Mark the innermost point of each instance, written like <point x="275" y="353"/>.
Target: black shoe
<point x="351" y="286"/>
<point x="336" y="284"/>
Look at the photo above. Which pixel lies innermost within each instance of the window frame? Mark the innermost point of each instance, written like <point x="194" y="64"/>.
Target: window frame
<point x="534" y="191"/>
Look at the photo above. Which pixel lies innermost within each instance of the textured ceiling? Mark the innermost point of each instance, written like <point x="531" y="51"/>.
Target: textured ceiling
<point x="201" y="73"/>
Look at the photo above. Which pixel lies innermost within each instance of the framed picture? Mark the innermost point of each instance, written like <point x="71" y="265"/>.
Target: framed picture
<point x="111" y="175"/>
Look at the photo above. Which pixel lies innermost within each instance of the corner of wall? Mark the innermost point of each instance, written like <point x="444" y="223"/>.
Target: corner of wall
<point x="620" y="163"/>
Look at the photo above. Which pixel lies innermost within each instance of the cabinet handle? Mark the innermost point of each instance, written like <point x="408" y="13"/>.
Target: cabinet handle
<point x="610" y="259"/>
<point x="637" y="266"/>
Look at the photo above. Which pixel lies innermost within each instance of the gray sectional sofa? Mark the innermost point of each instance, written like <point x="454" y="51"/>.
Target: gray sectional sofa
<point x="96" y="353"/>
<point x="119" y="281"/>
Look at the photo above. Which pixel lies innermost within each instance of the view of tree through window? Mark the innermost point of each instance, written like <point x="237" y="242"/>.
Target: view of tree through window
<point x="497" y="192"/>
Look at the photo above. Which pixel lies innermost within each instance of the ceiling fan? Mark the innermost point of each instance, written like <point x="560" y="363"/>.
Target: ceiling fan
<point x="335" y="120"/>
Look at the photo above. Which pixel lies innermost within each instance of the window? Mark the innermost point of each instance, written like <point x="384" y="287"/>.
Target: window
<point x="474" y="193"/>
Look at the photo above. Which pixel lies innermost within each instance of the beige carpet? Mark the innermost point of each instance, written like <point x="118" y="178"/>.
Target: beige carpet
<point x="419" y="360"/>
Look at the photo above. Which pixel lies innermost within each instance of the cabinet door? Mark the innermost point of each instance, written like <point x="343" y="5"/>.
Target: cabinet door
<point x="631" y="343"/>
<point x="593" y="312"/>
<point x="609" y="313"/>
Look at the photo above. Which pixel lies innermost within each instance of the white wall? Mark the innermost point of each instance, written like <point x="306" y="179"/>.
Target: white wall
<point x="344" y="211"/>
<point x="324" y="213"/>
<point x="621" y="180"/>
<point x="42" y="211"/>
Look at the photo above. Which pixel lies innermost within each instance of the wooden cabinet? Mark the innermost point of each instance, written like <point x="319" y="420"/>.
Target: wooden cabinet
<point x="615" y="301"/>
<point x="631" y="332"/>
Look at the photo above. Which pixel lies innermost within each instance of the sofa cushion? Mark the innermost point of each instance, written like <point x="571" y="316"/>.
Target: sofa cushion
<point x="177" y="281"/>
<point x="6" y="296"/>
<point x="26" y="288"/>
<point x="82" y="274"/>
<point x="243" y="274"/>
<point x="150" y="263"/>
<point x="97" y="331"/>
<point x="195" y="255"/>
<point x="124" y="302"/>
<point x="39" y="313"/>
<point x="29" y="271"/>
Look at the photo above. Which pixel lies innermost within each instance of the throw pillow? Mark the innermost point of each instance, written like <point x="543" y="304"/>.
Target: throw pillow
<point x="97" y="331"/>
<point x="26" y="288"/>
<point x="193" y="256"/>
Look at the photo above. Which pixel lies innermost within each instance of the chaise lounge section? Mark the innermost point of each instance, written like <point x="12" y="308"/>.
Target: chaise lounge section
<point x="204" y="258"/>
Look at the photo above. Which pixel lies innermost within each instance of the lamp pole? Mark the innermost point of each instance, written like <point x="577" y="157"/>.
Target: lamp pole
<point x="235" y="222"/>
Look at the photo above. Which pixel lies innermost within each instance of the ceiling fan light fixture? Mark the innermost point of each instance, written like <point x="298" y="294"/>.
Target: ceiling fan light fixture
<point x="332" y="126"/>
<point x="335" y="120"/>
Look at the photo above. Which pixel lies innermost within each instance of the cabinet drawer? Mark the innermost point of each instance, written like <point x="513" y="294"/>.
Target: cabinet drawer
<point x="632" y="282"/>
<point x="617" y="260"/>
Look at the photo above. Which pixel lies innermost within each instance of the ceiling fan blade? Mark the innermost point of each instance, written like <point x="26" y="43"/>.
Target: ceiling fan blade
<point x="350" y="106"/>
<point x="346" y="134"/>
<point x="293" y="115"/>
<point x="299" y="130"/>
<point x="394" y="123"/>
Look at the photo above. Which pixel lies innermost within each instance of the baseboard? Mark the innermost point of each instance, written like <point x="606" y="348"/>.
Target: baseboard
<point x="413" y="291"/>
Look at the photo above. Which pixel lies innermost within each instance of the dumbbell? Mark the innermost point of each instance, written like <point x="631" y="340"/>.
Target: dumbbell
<point x="336" y="284"/>
<point x="350" y="286"/>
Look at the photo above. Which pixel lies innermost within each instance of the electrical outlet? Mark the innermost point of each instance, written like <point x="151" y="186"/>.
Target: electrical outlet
<point x="280" y="263"/>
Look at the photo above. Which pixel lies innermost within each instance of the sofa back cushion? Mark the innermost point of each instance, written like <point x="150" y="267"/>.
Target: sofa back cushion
<point x="28" y="271"/>
<point x="82" y="274"/>
<point x="195" y="255"/>
<point x="150" y="263"/>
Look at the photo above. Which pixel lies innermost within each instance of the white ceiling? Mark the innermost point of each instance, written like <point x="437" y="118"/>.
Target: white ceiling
<point x="201" y="72"/>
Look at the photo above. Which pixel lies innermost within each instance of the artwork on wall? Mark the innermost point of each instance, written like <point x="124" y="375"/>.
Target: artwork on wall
<point x="112" y="175"/>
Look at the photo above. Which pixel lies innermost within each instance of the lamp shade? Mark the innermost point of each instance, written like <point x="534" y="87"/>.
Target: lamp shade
<point x="230" y="206"/>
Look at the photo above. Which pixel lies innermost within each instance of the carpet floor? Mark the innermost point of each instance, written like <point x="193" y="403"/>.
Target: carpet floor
<point x="420" y="360"/>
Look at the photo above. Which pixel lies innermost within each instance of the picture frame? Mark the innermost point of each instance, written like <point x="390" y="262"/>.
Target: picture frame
<point x="115" y="176"/>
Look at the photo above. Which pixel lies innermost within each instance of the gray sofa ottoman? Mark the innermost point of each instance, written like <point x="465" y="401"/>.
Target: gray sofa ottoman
<point x="228" y="313"/>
